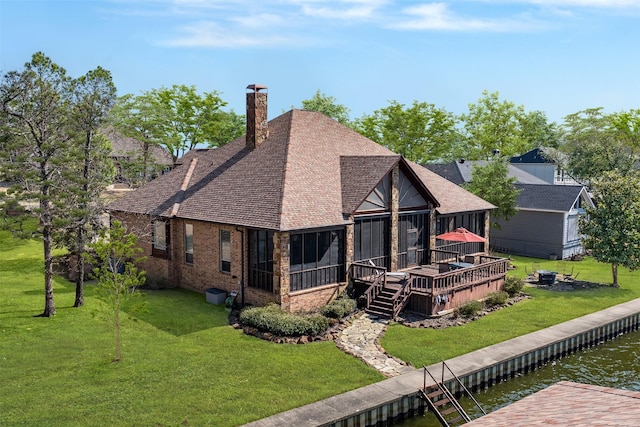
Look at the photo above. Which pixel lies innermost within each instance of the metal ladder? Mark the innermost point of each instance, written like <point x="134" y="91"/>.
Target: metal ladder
<point x="443" y="403"/>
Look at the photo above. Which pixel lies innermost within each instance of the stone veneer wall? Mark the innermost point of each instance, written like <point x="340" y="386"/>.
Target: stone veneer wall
<point x="281" y="268"/>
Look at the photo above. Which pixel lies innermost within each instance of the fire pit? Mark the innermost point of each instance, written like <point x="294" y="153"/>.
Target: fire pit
<point x="546" y="277"/>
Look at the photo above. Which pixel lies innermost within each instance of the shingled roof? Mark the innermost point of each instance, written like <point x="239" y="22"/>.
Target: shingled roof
<point x="308" y="173"/>
<point x="547" y="197"/>
<point x="124" y="146"/>
<point x="451" y="197"/>
<point x="460" y="172"/>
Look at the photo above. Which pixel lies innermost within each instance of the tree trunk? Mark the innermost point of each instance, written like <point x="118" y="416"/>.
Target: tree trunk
<point x="116" y="323"/>
<point x="79" y="302"/>
<point x="49" y="306"/>
<point x="614" y="273"/>
<point x="81" y="232"/>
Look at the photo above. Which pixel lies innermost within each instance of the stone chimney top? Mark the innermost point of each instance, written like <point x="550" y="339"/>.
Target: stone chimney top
<point x="257" y="125"/>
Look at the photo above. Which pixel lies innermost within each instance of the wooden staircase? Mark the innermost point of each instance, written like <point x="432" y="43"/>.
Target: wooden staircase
<point x="443" y="403"/>
<point x="382" y="305"/>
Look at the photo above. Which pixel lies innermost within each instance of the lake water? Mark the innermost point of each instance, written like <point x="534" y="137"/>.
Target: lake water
<point x="613" y="364"/>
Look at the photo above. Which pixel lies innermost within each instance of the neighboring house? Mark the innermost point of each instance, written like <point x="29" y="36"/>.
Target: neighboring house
<point x="537" y="164"/>
<point x="459" y="172"/>
<point x="127" y="154"/>
<point x="546" y="224"/>
<point x="282" y="214"/>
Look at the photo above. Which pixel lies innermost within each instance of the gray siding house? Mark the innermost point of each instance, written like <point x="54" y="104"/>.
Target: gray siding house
<point x="535" y="163"/>
<point x="546" y="225"/>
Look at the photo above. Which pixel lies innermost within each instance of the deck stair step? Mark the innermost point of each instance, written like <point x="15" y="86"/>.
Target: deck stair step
<point x="382" y="305"/>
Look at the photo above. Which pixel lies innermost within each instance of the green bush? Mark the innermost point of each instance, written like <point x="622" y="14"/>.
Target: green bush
<point x="513" y="285"/>
<point x="272" y="319"/>
<point x="470" y="308"/>
<point x="339" y="308"/>
<point x="496" y="298"/>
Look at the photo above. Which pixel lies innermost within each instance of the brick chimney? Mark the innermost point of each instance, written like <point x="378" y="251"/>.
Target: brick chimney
<point x="257" y="127"/>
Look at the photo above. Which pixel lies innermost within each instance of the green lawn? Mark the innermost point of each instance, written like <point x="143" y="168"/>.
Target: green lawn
<point x="182" y="363"/>
<point x="546" y="308"/>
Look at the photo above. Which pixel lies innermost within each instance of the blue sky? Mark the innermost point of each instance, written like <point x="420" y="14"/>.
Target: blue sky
<point x="557" y="56"/>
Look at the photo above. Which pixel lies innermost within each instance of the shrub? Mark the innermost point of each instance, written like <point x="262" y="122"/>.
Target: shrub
<point x="496" y="298"/>
<point x="272" y="319"/>
<point x="513" y="285"/>
<point x="339" y="308"/>
<point x="470" y="308"/>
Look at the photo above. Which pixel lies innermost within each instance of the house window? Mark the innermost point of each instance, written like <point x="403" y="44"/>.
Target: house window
<point x="261" y="259"/>
<point x="225" y="251"/>
<point x="160" y="239"/>
<point x="188" y="243"/>
<point x="316" y="259"/>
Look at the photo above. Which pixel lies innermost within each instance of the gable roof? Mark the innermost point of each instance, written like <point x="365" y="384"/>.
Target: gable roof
<point x="547" y="197"/>
<point x="308" y="173"/>
<point x="451" y="197"/>
<point x="459" y="172"/>
<point x="359" y="175"/>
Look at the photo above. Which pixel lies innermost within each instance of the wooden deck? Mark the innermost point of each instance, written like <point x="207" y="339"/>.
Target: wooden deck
<point x="429" y="289"/>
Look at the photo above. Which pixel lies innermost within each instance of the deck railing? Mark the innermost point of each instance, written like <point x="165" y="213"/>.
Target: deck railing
<point x="377" y="276"/>
<point x="493" y="268"/>
<point x="462" y="248"/>
<point x="400" y="298"/>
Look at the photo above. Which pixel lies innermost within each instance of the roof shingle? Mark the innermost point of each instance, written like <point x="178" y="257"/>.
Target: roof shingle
<point x="308" y="173"/>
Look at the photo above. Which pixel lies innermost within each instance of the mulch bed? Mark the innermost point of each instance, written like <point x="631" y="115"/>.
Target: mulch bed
<point x="413" y="320"/>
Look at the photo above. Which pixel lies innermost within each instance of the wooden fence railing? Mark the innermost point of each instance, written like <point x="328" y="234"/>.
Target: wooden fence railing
<point x="492" y="268"/>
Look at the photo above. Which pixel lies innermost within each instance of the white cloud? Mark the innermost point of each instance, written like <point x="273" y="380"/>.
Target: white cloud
<point x="259" y="21"/>
<point x="211" y="34"/>
<point x="340" y="9"/>
<point x="437" y="16"/>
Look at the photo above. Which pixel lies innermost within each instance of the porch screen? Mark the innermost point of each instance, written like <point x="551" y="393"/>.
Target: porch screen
<point x="413" y="239"/>
<point x="316" y="259"/>
<point x="261" y="259"/>
<point x="371" y="240"/>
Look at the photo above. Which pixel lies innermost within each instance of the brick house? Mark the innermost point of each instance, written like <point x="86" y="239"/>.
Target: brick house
<point x="281" y="214"/>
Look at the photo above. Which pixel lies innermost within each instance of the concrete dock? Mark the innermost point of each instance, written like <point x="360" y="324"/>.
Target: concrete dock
<point x="396" y="398"/>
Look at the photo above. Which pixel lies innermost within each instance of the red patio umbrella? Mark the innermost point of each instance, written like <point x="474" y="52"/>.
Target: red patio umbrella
<point x="461" y="235"/>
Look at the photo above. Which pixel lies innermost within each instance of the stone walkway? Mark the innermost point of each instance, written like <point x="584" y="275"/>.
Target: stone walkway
<point x="360" y="339"/>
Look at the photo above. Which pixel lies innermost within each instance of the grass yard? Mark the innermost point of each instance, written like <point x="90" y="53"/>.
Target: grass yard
<point x="546" y="308"/>
<point x="182" y="364"/>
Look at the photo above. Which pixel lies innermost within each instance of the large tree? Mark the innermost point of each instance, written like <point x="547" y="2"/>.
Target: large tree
<point x="35" y="107"/>
<point x="328" y="106"/>
<point x="421" y="132"/>
<point x="93" y="96"/>
<point x="493" y="126"/>
<point x="177" y="118"/>
<point x="595" y="142"/>
<point x="492" y="183"/>
<point x="137" y="117"/>
<point x="612" y="228"/>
